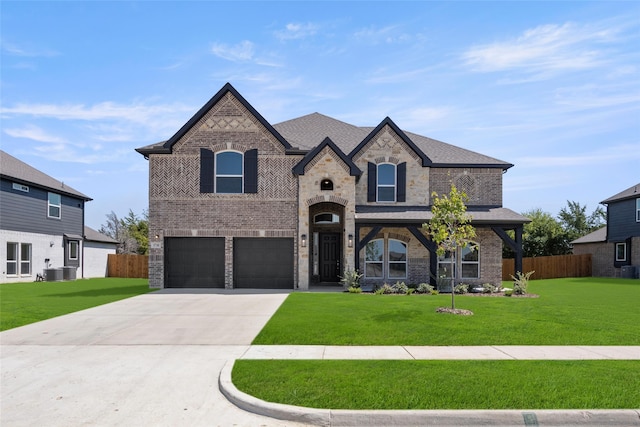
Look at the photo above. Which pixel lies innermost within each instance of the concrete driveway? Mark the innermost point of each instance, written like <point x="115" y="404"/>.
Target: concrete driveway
<point x="150" y="360"/>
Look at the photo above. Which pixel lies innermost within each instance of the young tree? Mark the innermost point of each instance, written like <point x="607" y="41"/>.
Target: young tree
<point x="450" y="227"/>
<point x="131" y="232"/>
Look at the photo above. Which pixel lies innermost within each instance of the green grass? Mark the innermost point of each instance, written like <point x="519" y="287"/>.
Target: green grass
<point x="583" y="311"/>
<point x="371" y="384"/>
<point x="24" y="303"/>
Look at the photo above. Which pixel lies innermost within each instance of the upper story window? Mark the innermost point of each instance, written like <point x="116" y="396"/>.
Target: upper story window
<point x="326" y="218"/>
<point x="638" y="209"/>
<point x="386" y="182"/>
<point x="54" y="206"/>
<point x="229" y="172"/>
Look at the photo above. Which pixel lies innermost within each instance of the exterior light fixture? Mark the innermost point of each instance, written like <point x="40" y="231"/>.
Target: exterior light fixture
<point x="303" y="241"/>
<point x="350" y="240"/>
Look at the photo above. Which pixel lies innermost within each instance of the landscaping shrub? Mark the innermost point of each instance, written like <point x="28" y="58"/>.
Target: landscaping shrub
<point x="424" y="288"/>
<point x="489" y="288"/>
<point x="351" y="279"/>
<point x="521" y="282"/>
<point x="461" y="288"/>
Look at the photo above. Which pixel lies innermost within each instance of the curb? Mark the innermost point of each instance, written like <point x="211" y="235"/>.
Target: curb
<point x="372" y="418"/>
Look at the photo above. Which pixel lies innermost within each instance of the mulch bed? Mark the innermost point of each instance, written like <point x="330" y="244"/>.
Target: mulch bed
<point x="459" y="311"/>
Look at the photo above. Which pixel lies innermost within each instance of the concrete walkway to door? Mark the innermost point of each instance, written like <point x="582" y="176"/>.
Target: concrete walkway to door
<point x="150" y="360"/>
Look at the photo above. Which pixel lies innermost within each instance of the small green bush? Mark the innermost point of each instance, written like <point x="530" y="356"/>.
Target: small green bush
<point x="461" y="288"/>
<point x="351" y="279"/>
<point x="384" y="289"/>
<point x="400" y="288"/>
<point x="354" y="290"/>
<point x="521" y="282"/>
<point x="424" y="288"/>
<point x="489" y="288"/>
<point x="434" y="292"/>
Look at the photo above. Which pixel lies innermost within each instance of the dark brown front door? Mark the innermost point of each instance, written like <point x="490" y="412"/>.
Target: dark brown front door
<point x="329" y="257"/>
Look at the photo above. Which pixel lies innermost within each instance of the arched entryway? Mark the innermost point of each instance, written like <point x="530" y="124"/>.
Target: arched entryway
<point x="326" y="230"/>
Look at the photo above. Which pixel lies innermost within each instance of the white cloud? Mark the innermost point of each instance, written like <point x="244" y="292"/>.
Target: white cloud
<point x="543" y="49"/>
<point x="388" y="35"/>
<point x="241" y="52"/>
<point x="28" y="51"/>
<point x="293" y="31"/>
<point x="34" y="133"/>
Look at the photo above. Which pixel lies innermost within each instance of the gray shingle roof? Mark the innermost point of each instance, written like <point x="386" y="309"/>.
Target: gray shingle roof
<point x="12" y="168"/>
<point x="629" y="193"/>
<point x="417" y="214"/>
<point x="600" y="235"/>
<point x="94" y="236"/>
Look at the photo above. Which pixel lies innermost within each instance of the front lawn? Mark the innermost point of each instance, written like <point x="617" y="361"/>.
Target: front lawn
<point x="582" y="311"/>
<point x="443" y="384"/>
<point x="24" y="303"/>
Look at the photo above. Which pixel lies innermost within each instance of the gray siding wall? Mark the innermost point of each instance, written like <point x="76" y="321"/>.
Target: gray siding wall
<point x="20" y="211"/>
<point x="622" y="220"/>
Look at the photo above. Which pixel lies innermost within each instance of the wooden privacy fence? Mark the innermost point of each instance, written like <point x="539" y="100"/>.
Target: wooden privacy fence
<point x="550" y="267"/>
<point x="128" y="265"/>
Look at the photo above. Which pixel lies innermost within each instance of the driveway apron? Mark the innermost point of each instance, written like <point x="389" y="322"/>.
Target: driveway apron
<point x="150" y="360"/>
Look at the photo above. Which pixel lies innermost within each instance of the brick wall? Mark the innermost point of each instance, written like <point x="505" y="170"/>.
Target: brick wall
<point x="483" y="186"/>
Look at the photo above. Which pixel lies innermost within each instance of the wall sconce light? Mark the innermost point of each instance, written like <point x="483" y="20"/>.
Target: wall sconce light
<point x="51" y="244"/>
<point x="350" y="240"/>
<point x="303" y="241"/>
<point x="157" y="236"/>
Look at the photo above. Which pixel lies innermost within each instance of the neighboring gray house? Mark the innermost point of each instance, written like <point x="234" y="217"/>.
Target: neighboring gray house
<point x="97" y="247"/>
<point x="236" y="202"/>
<point x="41" y="222"/>
<point x="615" y="248"/>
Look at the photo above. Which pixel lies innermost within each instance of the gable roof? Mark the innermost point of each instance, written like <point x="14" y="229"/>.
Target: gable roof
<point x="600" y="235"/>
<point x="17" y="170"/>
<point x="299" y="168"/>
<point x="629" y="193"/>
<point x="95" y="236"/>
<point x="165" y="147"/>
<point x="426" y="161"/>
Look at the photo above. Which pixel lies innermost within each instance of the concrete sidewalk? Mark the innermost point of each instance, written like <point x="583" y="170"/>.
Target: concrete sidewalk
<point x="503" y="352"/>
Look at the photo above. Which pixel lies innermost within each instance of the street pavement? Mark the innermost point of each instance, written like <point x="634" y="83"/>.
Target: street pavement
<point x="165" y="359"/>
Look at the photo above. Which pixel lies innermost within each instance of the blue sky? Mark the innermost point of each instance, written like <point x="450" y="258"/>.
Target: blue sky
<point x="552" y="87"/>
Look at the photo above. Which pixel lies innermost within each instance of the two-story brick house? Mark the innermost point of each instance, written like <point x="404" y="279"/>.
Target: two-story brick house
<point x="41" y="222"/>
<point x="615" y="248"/>
<point x="237" y="202"/>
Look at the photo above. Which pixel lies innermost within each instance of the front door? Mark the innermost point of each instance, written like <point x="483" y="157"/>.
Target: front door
<point x="329" y="257"/>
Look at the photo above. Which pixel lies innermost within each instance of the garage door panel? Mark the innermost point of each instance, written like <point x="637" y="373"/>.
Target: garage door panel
<point x="194" y="262"/>
<point x="263" y="263"/>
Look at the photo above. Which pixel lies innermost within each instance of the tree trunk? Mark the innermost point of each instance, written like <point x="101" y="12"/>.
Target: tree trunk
<point x="453" y="261"/>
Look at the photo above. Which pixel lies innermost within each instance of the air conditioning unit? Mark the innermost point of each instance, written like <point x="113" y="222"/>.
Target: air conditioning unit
<point x="629" y="272"/>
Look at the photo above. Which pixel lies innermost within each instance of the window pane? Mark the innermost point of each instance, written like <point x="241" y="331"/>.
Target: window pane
<point x="25" y="251"/>
<point x="228" y="163"/>
<point x="373" y="269"/>
<point x="374" y="250"/>
<point x="326" y="218"/>
<point x="386" y="174"/>
<point x="470" y="271"/>
<point x="12" y="251"/>
<point x="228" y="185"/>
<point x="397" y="270"/>
<point x="54" y="199"/>
<point x="73" y="250"/>
<point x="397" y="251"/>
<point x="386" y="194"/>
<point x="469" y="255"/>
<point x="621" y="249"/>
<point x="25" y="268"/>
<point x="444" y="270"/>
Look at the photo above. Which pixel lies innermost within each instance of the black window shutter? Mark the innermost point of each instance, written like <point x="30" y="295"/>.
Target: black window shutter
<point x="401" y="182"/>
<point x="207" y="172"/>
<point x="251" y="171"/>
<point x="372" y="182"/>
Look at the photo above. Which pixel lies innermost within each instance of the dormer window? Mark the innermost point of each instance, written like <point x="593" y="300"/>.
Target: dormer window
<point x="326" y="185"/>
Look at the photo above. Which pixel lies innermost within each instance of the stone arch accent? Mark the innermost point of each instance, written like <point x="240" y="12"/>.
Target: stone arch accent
<point x="333" y="199"/>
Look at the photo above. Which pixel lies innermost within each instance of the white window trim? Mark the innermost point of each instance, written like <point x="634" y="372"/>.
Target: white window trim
<point x="389" y="262"/>
<point x="463" y="262"/>
<point x="218" y="175"/>
<point x="374" y="262"/>
<point x="624" y="246"/>
<point x="443" y="260"/>
<point x="15" y="261"/>
<point x="50" y="205"/>
<point x="77" y="243"/>
<point x="395" y="183"/>
<point x="28" y="261"/>
<point x="638" y="209"/>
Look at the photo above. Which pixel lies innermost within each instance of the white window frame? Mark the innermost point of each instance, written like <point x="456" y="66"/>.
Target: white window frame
<point x="445" y="261"/>
<point x="381" y="262"/>
<point x="219" y="175"/>
<point x="638" y="209"/>
<point x="394" y="186"/>
<point x="622" y="245"/>
<point x="70" y="244"/>
<point x="14" y="259"/>
<point x="25" y="262"/>
<point x="476" y="248"/>
<point x="389" y="262"/>
<point x="54" y="205"/>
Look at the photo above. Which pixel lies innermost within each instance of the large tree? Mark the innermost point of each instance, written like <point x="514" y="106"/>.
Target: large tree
<point x="543" y="235"/>
<point x="576" y="223"/>
<point x="131" y="232"/>
<point x="450" y="228"/>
